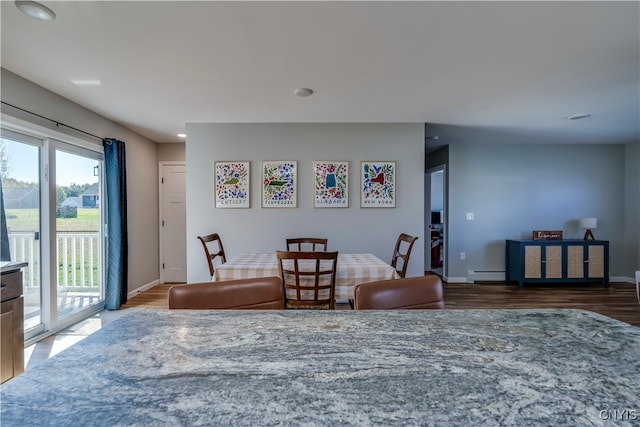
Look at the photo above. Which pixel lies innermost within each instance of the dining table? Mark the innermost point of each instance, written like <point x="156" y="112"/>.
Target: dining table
<point x="491" y="367"/>
<point x="351" y="269"/>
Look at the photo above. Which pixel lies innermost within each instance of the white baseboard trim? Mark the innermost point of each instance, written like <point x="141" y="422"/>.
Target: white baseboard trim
<point x="486" y="275"/>
<point x="622" y="279"/>
<point x="500" y="277"/>
<point x="143" y="288"/>
<point x="456" y="280"/>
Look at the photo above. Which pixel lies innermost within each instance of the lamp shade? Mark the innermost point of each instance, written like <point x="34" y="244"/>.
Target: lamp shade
<point x="589" y="223"/>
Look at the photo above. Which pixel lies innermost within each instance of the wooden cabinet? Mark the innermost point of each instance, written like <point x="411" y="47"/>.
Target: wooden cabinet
<point x="11" y="323"/>
<point x="557" y="261"/>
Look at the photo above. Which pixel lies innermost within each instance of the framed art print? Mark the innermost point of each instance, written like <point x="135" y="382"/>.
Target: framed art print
<point x="331" y="184"/>
<point x="378" y="185"/>
<point x="232" y="184"/>
<point x="279" y="183"/>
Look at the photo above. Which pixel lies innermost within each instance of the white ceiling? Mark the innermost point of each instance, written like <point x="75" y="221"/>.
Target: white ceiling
<point x="507" y="70"/>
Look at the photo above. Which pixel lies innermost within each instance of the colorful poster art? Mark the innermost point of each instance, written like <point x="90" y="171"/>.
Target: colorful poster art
<point x="331" y="184"/>
<point x="279" y="184"/>
<point x="378" y="185"/>
<point x="232" y="184"/>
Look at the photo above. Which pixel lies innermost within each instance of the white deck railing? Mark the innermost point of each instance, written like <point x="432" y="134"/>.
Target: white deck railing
<point x="78" y="259"/>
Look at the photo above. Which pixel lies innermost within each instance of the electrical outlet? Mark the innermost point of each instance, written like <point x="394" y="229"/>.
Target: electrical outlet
<point x="463" y="256"/>
<point x="470" y="216"/>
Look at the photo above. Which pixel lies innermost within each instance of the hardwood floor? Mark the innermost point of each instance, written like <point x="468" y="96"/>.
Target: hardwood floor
<point x="618" y="301"/>
<point x="155" y="297"/>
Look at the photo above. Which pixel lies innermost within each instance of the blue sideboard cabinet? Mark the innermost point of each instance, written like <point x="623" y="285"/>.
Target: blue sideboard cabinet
<point x="557" y="261"/>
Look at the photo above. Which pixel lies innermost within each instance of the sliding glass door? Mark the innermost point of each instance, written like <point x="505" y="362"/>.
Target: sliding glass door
<point x="21" y="189"/>
<point x="53" y="200"/>
<point x="78" y="229"/>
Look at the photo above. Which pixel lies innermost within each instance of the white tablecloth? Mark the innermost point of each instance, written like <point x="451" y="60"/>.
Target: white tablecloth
<point x="353" y="269"/>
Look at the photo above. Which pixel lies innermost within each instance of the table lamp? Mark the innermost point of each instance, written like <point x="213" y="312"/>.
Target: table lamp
<point x="588" y="223"/>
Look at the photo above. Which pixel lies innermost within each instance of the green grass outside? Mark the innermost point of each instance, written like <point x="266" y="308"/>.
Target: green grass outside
<point x="28" y="220"/>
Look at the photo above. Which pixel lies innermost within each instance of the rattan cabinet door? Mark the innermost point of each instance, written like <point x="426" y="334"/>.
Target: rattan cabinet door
<point x="596" y="261"/>
<point x="532" y="262"/>
<point x="553" y="262"/>
<point x="575" y="261"/>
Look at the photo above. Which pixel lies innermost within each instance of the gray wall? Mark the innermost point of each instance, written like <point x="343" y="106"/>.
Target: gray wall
<point x="142" y="170"/>
<point x="632" y="206"/>
<point x="351" y="229"/>
<point x="171" y="152"/>
<point x="513" y="189"/>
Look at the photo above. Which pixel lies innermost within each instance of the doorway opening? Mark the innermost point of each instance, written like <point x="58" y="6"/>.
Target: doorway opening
<point x="173" y="222"/>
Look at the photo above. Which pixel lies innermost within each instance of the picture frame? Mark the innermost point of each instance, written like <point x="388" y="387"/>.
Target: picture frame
<point x="378" y="184"/>
<point x="331" y="184"/>
<point x="279" y="183"/>
<point x="232" y="184"/>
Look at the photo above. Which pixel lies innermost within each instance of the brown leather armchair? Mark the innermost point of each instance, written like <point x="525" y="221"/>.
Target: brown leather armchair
<point x="260" y="293"/>
<point x="422" y="292"/>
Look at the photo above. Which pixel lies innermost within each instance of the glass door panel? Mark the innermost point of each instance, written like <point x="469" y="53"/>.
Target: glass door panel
<point x="78" y="232"/>
<point x="20" y="171"/>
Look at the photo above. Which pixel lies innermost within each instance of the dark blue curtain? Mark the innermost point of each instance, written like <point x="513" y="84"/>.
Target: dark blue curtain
<point x="117" y="244"/>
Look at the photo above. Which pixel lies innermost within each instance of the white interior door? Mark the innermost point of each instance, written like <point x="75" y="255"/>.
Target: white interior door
<point x="173" y="223"/>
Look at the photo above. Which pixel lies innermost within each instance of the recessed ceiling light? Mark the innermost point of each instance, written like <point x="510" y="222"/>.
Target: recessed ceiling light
<point x="182" y="135"/>
<point x="80" y="82"/>
<point x="302" y="92"/>
<point x="36" y="10"/>
<point x="579" y="116"/>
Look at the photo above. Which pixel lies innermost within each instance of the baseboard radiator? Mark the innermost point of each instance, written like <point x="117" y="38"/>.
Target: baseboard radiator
<point x="486" y="275"/>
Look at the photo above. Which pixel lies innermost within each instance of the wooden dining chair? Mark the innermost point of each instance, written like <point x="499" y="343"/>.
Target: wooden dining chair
<point x="306" y="243"/>
<point x="212" y="245"/>
<point x="308" y="278"/>
<point x="401" y="253"/>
